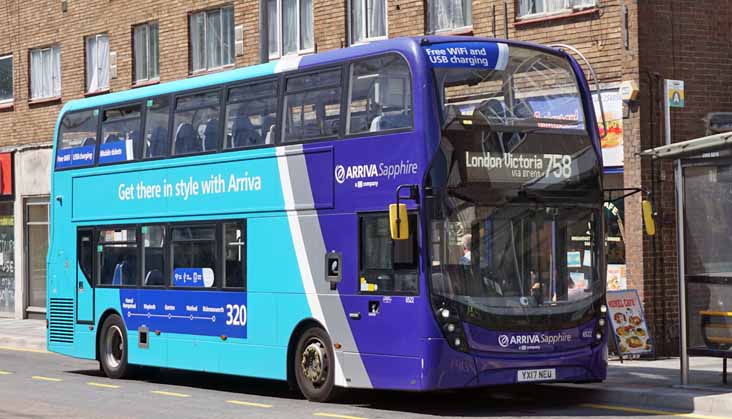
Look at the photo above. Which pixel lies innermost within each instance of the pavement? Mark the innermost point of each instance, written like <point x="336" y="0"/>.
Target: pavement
<point x="648" y="386"/>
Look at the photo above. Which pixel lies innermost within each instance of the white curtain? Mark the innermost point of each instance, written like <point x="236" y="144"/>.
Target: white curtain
<point x="290" y="26"/>
<point x="357" y="17"/>
<point x="198" y="38"/>
<point x="376" y="18"/>
<point x="272" y="28"/>
<point x="103" y="51"/>
<point x="227" y="34"/>
<point x="91" y="64"/>
<point x="556" y="5"/>
<point x="141" y="53"/>
<point x="154" y="64"/>
<point x="56" y="73"/>
<point x="306" y="24"/>
<point x="36" y="74"/>
<point x="213" y="39"/>
<point x="97" y="63"/>
<point x="441" y="15"/>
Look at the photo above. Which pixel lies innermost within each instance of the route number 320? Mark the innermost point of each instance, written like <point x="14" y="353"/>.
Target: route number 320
<point x="236" y="315"/>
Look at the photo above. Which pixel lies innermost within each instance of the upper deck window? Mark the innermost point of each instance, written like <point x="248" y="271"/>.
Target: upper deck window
<point x="251" y="114"/>
<point x="157" y="138"/>
<point x="312" y="106"/>
<point x="381" y="95"/>
<point x="120" y="134"/>
<point x="196" y="123"/>
<point x="77" y="139"/>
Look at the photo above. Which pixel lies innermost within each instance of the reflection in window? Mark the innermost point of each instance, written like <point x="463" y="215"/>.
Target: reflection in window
<point x="312" y="106"/>
<point x="236" y="253"/>
<point x="194" y="252"/>
<point x="196" y="123"/>
<point x="387" y="266"/>
<point x="153" y="242"/>
<point x="120" y="134"/>
<point x="381" y="95"/>
<point x="251" y="114"/>
<point x="157" y="140"/>
<point x="117" y="257"/>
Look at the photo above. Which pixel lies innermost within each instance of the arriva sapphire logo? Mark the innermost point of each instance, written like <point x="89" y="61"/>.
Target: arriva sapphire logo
<point x="372" y="171"/>
<point x="536" y="339"/>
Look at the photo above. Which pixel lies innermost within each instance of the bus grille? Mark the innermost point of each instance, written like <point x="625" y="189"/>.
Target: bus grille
<point x="61" y="320"/>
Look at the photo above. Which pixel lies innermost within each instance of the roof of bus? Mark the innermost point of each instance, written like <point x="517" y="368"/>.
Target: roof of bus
<point x="288" y="63"/>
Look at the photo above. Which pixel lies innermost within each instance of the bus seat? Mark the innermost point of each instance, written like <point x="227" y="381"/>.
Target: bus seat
<point x="158" y="142"/>
<point x="135" y="137"/>
<point x="269" y="139"/>
<point x="244" y="133"/>
<point x="89" y="141"/>
<point x="185" y="139"/>
<point x="211" y="135"/>
<point x="120" y="273"/>
<point x="391" y="121"/>
<point x="111" y="138"/>
<point x="154" y="277"/>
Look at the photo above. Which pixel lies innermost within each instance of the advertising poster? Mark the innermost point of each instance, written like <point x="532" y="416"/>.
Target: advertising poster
<point x="612" y="144"/>
<point x="616" y="277"/>
<point x="628" y="323"/>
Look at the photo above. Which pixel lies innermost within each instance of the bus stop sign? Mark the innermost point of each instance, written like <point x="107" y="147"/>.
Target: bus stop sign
<point x="675" y="93"/>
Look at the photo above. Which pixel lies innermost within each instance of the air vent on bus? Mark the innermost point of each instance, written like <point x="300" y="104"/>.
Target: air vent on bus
<point x="61" y="320"/>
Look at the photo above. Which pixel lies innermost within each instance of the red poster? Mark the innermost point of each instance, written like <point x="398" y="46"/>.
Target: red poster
<point x="6" y="174"/>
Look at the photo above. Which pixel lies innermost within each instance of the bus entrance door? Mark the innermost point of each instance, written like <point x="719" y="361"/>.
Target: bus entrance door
<point x="84" y="276"/>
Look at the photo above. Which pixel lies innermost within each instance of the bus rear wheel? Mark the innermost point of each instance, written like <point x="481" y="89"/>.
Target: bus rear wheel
<point x="113" y="348"/>
<point x="314" y="365"/>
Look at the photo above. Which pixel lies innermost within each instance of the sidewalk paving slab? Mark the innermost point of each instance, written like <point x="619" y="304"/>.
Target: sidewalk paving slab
<point x="23" y="334"/>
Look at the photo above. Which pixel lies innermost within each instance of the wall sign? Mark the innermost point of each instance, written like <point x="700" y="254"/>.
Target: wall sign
<point x="6" y="176"/>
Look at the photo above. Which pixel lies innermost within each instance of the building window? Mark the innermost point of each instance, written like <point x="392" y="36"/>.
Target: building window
<point x="290" y="27"/>
<point x="97" y="63"/>
<point x="212" y="39"/>
<point x="6" y="79"/>
<point x="450" y="15"/>
<point x="368" y="20"/>
<point x="147" y="65"/>
<point x="45" y="71"/>
<point x="530" y="8"/>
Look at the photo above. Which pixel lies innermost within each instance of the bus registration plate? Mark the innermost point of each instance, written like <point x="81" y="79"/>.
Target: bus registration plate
<point x="546" y="374"/>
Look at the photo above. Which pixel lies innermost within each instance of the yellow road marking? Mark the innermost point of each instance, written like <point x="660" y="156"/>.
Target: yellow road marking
<point x="170" y="393"/>
<point x="42" y="378"/>
<point x="17" y="349"/>
<point x="333" y="415"/>
<point x="650" y="411"/>
<point x="5" y="372"/>
<point x="93" y="384"/>
<point x="266" y="406"/>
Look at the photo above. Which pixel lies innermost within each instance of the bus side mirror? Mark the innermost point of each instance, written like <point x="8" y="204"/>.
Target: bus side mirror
<point x="398" y="222"/>
<point x="648" y="220"/>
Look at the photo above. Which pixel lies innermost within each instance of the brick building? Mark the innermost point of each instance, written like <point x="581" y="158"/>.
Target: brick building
<point x="55" y="51"/>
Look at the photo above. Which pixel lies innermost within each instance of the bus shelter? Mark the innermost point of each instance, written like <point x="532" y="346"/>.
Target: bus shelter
<point x="703" y="174"/>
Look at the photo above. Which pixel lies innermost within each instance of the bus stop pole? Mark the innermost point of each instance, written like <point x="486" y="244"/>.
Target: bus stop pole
<point x="679" y="175"/>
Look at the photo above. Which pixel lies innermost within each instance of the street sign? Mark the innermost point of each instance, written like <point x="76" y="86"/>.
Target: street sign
<point x="675" y="93"/>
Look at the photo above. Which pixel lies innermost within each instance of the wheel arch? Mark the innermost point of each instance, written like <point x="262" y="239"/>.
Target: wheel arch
<point x="301" y="327"/>
<point x="100" y="325"/>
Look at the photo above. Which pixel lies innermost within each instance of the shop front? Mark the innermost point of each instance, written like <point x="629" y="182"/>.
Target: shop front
<point x="7" y="237"/>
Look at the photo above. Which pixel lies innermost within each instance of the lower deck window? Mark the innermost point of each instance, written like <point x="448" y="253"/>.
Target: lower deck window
<point x="117" y="250"/>
<point x="194" y="256"/>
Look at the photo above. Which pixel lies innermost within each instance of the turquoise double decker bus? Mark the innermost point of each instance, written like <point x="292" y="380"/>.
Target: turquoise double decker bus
<point x="411" y="214"/>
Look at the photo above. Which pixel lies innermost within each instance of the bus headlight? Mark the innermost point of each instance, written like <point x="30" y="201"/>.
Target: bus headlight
<point x="603" y="309"/>
<point x="601" y="322"/>
<point x="449" y="320"/>
<point x="445" y="313"/>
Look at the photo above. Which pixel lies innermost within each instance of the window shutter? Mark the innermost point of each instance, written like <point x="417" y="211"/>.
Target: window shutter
<point x="239" y="40"/>
<point x="113" y="64"/>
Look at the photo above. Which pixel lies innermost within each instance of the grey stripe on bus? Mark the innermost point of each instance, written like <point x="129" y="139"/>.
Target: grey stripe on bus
<point x="338" y="327"/>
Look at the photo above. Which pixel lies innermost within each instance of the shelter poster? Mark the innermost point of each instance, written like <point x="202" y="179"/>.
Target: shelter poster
<point x="612" y="144"/>
<point x="617" y="279"/>
<point x="628" y="323"/>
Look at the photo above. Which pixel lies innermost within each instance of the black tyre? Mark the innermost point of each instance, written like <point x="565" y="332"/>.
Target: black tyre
<point x="314" y="365"/>
<point x="113" y="348"/>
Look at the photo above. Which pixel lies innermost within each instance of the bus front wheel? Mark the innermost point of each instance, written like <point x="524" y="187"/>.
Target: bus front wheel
<point x="113" y="348"/>
<point x="314" y="365"/>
